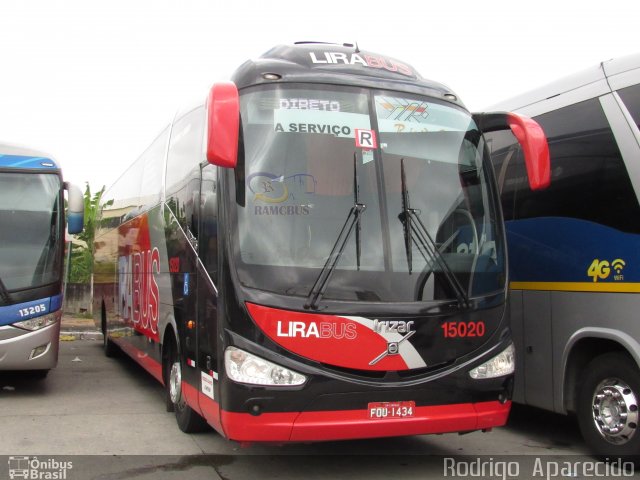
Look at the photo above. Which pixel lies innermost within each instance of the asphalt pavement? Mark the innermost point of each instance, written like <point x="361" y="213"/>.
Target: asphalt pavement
<point x="107" y="417"/>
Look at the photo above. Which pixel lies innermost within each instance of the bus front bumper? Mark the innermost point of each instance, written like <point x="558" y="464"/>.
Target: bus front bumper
<point x="25" y="350"/>
<point x="355" y="424"/>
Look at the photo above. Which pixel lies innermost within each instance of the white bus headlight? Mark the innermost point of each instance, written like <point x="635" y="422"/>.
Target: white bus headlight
<point x="244" y="367"/>
<point x="38" y="322"/>
<point x="502" y="364"/>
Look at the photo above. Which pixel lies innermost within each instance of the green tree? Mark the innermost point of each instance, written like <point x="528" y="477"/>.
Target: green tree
<point x="82" y="255"/>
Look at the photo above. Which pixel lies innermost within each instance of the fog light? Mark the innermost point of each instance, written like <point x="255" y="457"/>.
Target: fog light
<point x="502" y="364"/>
<point x="38" y="351"/>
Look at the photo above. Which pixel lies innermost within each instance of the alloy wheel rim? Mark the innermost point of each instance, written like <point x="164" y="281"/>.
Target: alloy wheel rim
<point x="175" y="383"/>
<point x="615" y="411"/>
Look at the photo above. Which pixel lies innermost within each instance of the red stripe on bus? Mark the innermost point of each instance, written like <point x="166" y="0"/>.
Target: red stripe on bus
<point x="268" y="427"/>
<point x="190" y="394"/>
<point x="491" y="414"/>
<point x="211" y="411"/>
<point x="142" y="358"/>
<point x="355" y="424"/>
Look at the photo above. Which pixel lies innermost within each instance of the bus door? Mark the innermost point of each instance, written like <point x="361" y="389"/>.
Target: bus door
<point x="207" y="301"/>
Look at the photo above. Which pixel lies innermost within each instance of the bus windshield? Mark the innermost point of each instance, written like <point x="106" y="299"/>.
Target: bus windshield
<point x="428" y="228"/>
<point x="30" y="215"/>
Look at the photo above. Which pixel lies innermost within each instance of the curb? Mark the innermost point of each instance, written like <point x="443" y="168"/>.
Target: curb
<point x="71" y="335"/>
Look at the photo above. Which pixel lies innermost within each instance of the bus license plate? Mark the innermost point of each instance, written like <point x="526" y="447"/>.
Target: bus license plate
<point x="381" y="410"/>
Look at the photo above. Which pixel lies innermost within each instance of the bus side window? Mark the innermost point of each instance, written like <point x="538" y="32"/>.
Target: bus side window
<point x="120" y="202"/>
<point x="209" y="220"/>
<point x="183" y="170"/>
<point x="509" y="167"/>
<point x="151" y="179"/>
<point x="631" y="98"/>
<point x="587" y="172"/>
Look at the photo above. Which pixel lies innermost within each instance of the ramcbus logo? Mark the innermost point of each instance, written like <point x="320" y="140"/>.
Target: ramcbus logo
<point x="138" y="290"/>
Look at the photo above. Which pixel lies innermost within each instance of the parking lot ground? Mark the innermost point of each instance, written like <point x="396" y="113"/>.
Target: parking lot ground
<point x="108" y="415"/>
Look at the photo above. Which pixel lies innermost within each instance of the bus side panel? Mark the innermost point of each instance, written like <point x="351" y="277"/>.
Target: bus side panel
<point x="144" y="268"/>
<point x="579" y="316"/>
<point x="140" y="263"/>
<point x="538" y="358"/>
<point x="207" y="328"/>
<point x="517" y="328"/>
<point x="179" y="299"/>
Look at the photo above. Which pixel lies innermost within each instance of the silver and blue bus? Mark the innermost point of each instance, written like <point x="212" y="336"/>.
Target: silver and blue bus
<point x="32" y="237"/>
<point x="574" y="253"/>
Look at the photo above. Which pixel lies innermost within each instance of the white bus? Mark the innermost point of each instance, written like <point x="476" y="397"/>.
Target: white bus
<point x="574" y="253"/>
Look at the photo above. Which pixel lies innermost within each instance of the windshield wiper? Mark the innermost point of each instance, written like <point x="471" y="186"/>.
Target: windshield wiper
<point x="414" y="230"/>
<point x="353" y="219"/>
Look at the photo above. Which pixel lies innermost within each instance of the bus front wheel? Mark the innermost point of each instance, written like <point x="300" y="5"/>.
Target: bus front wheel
<point x="189" y="421"/>
<point x="608" y="406"/>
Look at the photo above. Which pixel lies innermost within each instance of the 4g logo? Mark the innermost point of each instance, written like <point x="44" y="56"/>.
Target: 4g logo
<point x="601" y="269"/>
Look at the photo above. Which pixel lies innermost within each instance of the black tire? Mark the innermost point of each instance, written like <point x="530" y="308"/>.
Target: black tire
<point x="189" y="421"/>
<point x="608" y="407"/>
<point x="110" y="349"/>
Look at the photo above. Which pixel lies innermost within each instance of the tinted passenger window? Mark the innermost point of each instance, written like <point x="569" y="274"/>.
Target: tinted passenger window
<point x="120" y="201"/>
<point x="209" y="220"/>
<point x="631" y="98"/>
<point x="589" y="180"/>
<point x="151" y="180"/>
<point x="183" y="169"/>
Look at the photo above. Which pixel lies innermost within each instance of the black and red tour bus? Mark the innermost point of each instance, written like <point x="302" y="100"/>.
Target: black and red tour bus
<point x="316" y="252"/>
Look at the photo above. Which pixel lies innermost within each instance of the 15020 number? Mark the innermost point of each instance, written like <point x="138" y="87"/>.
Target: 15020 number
<point x="463" y="329"/>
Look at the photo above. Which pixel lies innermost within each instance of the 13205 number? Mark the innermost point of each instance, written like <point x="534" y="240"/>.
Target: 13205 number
<point x="25" y="312"/>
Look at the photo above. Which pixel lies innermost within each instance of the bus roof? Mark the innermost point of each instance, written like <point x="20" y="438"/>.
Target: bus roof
<point x="14" y="156"/>
<point x="589" y="77"/>
<point x="336" y="64"/>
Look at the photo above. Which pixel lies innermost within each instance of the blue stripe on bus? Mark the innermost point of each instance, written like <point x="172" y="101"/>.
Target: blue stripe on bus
<point x="557" y="249"/>
<point x="27" y="310"/>
<point x="20" y="161"/>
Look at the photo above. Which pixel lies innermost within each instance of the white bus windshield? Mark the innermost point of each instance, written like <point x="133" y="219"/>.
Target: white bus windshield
<point x="30" y="215"/>
<point x="307" y="150"/>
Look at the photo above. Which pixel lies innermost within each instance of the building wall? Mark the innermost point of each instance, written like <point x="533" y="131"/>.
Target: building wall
<point x="77" y="298"/>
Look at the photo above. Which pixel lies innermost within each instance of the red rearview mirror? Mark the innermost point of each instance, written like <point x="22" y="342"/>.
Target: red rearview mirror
<point x="223" y="117"/>
<point x="531" y="138"/>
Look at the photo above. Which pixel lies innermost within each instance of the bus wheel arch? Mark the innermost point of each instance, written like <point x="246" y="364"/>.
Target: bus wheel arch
<point x="581" y="353"/>
<point x="189" y="421"/>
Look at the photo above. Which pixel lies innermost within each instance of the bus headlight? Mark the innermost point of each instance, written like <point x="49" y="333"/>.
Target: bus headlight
<point x="502" y="364"/>
<point x="38" y="322"/>
<point x="243" y="367"/>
